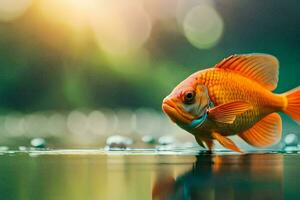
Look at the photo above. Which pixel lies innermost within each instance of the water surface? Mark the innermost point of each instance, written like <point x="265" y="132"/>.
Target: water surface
<point x="147" y="174"/>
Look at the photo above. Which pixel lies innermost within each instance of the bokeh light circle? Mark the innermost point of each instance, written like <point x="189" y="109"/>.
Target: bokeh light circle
<point x="97" y="122"/>
<point x="127" y="32"/>
<point x="77" y="123"/>
<point x="203" y="26"/>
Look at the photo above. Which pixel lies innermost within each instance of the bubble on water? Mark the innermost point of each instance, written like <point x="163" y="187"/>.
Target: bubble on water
<point x="38" y="143"/>
<point x="4" y="148"/>
<point x="118" y="141"/>
<point x="149" y="139"/>
<point x="291" y="149"/>
<point x="166" y="140"/>
<point x="291" y="140"/>
<point x="23" y="148"/>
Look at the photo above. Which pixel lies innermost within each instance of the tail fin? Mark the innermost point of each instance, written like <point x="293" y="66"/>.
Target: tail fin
<point x="293" y="104"/>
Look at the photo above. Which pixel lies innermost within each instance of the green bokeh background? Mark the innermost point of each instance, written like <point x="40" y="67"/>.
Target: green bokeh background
<point x="44" y="66"/>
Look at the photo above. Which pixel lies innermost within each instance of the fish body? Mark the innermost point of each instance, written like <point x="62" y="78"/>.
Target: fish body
<point x="225" y="87"/>
<point x="233" y="98"/>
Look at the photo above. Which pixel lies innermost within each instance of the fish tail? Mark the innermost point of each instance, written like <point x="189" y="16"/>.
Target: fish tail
<point x="292" y="104"/>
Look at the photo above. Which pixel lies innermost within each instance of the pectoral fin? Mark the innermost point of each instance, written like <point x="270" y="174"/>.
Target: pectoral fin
<point x="226" y="113"/>
<point x="226" y="142"/>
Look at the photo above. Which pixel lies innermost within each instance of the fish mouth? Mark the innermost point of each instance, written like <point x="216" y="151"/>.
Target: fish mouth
<point x="175" y="114"/>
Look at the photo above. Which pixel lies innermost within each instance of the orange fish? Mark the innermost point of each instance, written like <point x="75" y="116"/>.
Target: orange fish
<point x="233" y="98"/>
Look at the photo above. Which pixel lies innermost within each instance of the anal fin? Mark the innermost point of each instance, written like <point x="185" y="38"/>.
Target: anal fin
<point x="201" y="141"/>
<point x="209" y="144"/>
<point x="264" y="133"/>
<point x="226" y="142"/>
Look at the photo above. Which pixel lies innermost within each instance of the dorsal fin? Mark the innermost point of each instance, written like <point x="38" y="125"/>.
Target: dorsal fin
<point x="262" y="68"/>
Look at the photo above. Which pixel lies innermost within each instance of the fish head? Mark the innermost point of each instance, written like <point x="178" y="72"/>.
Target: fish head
<point x="186" y="103"/>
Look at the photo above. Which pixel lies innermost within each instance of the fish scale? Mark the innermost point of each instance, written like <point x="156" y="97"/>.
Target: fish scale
<point x="224" y="87"/>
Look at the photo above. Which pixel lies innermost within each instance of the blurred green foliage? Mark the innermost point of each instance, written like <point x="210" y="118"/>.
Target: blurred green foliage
<point x="48" y="65"/>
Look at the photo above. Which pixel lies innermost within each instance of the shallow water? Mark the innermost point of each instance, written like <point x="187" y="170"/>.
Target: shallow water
<point x="148" y="174"/>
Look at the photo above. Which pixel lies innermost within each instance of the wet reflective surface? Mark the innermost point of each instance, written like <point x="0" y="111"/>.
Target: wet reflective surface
<point x="148" y="174"/>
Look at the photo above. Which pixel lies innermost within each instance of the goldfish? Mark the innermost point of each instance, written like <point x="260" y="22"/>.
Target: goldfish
<point x="233" y="98"/>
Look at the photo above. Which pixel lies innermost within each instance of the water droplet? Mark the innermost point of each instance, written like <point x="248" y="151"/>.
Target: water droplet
<point x="148" y="139"/>
<point x="4" y="148"/>
<point x="38" y="143"/>
<point x="291" y="149"/>
<point x="23" y="148"/>
<point x="117" y="141"/>
<point x="166" y="140"/>
<point x="291" y="140"/>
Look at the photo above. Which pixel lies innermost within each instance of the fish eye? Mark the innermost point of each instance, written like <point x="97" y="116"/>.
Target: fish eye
<point x="189" y="97"/>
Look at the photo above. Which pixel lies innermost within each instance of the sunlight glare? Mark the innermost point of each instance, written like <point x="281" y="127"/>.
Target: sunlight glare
<point x="120" y="27"/>
<point x="12" y="9"/>
<point x="69" y="12"/>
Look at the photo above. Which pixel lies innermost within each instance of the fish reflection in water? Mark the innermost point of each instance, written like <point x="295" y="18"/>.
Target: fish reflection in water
<point x="253" y="176"/>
